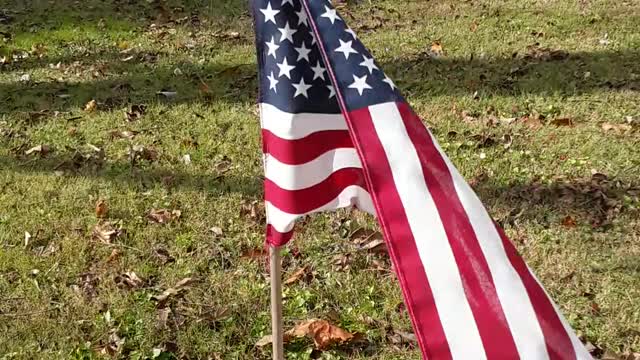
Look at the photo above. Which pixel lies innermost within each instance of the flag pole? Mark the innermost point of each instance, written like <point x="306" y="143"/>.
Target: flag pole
<point x="276" y="303"/>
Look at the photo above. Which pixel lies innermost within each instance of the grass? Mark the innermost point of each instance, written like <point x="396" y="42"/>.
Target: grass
<point x="65" y="294"/>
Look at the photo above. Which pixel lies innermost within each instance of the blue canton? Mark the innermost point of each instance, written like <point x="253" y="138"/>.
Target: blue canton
<point x="293" y="75"/>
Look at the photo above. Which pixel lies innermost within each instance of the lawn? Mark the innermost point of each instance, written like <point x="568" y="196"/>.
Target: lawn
<point x="131" y="223"/>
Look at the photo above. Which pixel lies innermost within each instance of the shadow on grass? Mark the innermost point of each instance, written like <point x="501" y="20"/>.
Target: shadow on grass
<point x="596" y="201"/>
<point x="138" y="80"/>
<point x="142" y="176"/>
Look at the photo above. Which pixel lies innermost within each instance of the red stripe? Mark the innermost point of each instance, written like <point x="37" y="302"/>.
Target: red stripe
<point x="474" y="270"/>
<point x="276" y="238"/>
<point x="400" y="241"/>
<point x="558" y="342"/>
<point x="305" y="200"/>
<point x="300" y="151"/>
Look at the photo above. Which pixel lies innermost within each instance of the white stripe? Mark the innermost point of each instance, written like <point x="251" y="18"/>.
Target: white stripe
<point x="296" y="126"/>
<point x="431" y="240"/>
<point x="296" y="177"/>
<point x="351" y="195"/>
<point x="516" y="304"/>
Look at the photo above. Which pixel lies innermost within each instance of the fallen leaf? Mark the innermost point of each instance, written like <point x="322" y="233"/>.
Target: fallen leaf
<point x="101" y="208"/>
<point x="129" y="280"/>
<point x="135" y="112"/>
<point x="617" y="128"/>
<point x="180" y="287"/>
<point x="115" y="254"/>
<point x="322" y="332"/>
<point x="264" y="341"/>
<point x="162" y="317"/>
<point x="565" y="121"/>
<point x="167" y="94"/>
<point x="436" y="50"/>
<point x="507" y="141"/>
<point x="474" y="26"/>
<point x="163" y="255"/>
<point x="217" y="231"/>
<point x="91" y="106"/>
<point x="106" y="232"/>
<point x="375" y="245"/>
<point x="568" y="221"/>
<point x="342" y="262"/>
<point x="125" y="134"/>
<point x="255" y="253"/>
<point x="296" y="276"/>
<point x="163" y="216"/>
<point x="139" y="151"/>
<point x="42" y="150"/>
<point x="532" y="121"/>
<point x="401" y="338"/>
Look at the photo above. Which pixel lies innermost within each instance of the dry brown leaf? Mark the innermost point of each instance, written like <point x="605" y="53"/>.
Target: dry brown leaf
<point x="42" y="150"/>
<point x="401" y="337"/>
<point x="296" y="276"/>
<point x="91" y="106"/>
<point x="474" y="26"/>
<point x="136" y="112"/>
<point x="141" y="152"/>
<point x="322" y="332"/>
<point x="106" y="232"/>
<point x="129" y="280"/>
<point x="177" y="289"/>
<point x="436" y="50"/>
<point x="617" y="128"/>
<point x="164" y="256"/>
<point x="255" y="253"/>
<point x="264" y="341"/>
<point x="565" y="121"/>
<point x="569" y="221"/>
<point x="124" y="134"/>
<point x="217" y="231"/>
<point x="163" y="216"/>
<point x="162" y="317"/>
<point x="532" y="121"/>
<point x="101" y="208"/>
<point x="115" y="254"/>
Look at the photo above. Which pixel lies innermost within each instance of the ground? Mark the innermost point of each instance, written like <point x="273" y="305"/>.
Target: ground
<point x="130" y="160"/>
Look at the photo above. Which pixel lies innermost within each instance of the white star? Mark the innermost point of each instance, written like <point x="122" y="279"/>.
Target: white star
<point x="303" y="52"/>
<point x="360" y="83"/>
<point x="301" y="89"/>
<point x="272" y="47"/>
<point x="368" y="63"/>
<point x="313" y="37"/>
<point x="269" y="13"/>
<point x="353" y="33"/>
<point x="302" y="17"/>
<point x="287" y="1"/>
<point x="273" y="81"/>
<point x="331" y="14"/>
<point x="285" y="69"/>
<point x="318" y="71"/>
<point x="389" y="81"/>
<point x="287" y="33"/>
<point x="332" y="91"/>
<point x="345" y="47"/>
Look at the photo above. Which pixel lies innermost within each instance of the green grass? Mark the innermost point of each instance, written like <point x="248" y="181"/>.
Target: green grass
<point x="59" y="294"/>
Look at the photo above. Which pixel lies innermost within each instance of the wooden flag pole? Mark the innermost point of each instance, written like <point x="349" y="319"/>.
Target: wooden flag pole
<point x="276" y="303"/>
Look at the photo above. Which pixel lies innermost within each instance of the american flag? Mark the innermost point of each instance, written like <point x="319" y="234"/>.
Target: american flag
<point x="338" y="133"/>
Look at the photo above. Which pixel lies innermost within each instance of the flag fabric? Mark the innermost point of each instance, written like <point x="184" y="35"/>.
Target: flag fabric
<point x="337" y="133"/>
